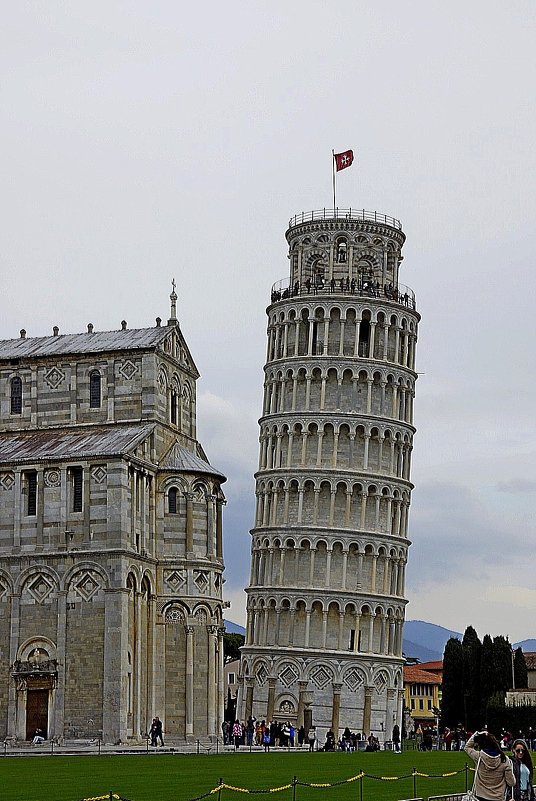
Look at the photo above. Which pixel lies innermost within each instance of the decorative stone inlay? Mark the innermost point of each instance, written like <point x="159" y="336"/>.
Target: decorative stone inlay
<point x="380" y="682"/>
<point x="261" y="675"/>
<point x="128" y="369"/>
<point x="98" y="474"/>
<point x="52" y="478"/>
<point x="3" y="589"/>
<point x="321" y="677"/>
<point x="201" y="580"/>
<point x="174" y="615"/>
<point x="201" y="616"/>
<point x="288" y="675"/>
<point x="354" y="679"/>
<point x="40" y="588"/>
<point x="87" y="586"/>
<point x="54" y="377"/>
<point x="7" y="480"/>
<point x="162" y="381"/>
<point x="175" y="579"/>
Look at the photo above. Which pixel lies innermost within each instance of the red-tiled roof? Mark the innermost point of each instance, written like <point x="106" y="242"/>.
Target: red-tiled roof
<point x="530" y="659"/>
<point x="432" y="666"/>
<point x="413" y="674"/>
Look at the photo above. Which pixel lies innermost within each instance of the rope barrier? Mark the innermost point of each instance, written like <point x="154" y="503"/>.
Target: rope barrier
<point x="324" y="785"/>
<point x="296" y="782"/>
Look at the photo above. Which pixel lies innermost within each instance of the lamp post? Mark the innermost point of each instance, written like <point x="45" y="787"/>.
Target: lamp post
<point x="513" y="671"/>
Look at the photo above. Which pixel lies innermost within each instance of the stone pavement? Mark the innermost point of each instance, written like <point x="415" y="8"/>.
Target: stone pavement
<point x="94" y="747"/>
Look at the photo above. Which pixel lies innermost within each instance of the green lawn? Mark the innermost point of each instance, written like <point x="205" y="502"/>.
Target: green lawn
<point x="178" y="777"/>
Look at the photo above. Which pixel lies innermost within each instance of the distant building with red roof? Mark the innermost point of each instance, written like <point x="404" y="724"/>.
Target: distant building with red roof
<point x="422" y="693"/>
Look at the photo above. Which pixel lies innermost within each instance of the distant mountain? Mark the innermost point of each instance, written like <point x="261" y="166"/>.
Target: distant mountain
<point x="426" y="641"/>
<point x="413" y="649"/>
<point x="526" y="645"/>
<point x="422" y="640"/>
<point x="234" y="628"/>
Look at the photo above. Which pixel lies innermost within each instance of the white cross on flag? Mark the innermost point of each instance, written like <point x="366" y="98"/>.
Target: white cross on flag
<point x="343" y="160"/>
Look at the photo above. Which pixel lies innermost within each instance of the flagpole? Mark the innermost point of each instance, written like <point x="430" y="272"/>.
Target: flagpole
<point x="333" y="169"/>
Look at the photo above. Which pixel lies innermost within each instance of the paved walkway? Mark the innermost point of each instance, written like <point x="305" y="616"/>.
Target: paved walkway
<point x="93" y="747"/>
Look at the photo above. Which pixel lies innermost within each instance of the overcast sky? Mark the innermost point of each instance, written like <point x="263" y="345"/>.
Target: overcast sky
<point x="145" y="141"/>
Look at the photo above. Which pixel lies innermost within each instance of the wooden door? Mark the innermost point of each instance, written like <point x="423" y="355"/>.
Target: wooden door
<point x="36" y="712"/>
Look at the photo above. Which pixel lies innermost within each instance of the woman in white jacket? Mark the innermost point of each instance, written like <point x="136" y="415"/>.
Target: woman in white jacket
<point x="493" y="771"/>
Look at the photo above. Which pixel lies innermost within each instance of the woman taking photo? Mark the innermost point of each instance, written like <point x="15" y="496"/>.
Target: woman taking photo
<point x="493" y="771"/>
<point x="522" y="768"/>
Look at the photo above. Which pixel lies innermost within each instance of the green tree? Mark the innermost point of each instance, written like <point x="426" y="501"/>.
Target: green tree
<point x="231" y="646"/>
<point x="520" y="670"/>
<point x="472" y="648"/>
<point x="502" y="664"/>
<point x="487" y="675"/>
<point x="452" y="687"/>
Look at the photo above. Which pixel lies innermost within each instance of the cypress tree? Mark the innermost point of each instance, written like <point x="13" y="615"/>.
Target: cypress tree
<point x="472" y="648"/>
<point x="502" y="664"/>
<point x="487" y="678"/>
<point x="452" y="687"/>
<point x="520" y="670"/>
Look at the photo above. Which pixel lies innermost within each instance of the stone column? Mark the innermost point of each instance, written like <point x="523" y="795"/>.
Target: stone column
<point x="136" y="667"/>
<point x="114" y="718"/>
<point x="212" y="686"/>
<point x="335" y="710"/>
<point x="219" y="528"/>
<point x="390" y="713"/>
<point x="250" y="686"/>
<point x="189" y="522"/>
<point x="324" y="627"/>
<point x="271" y="698"/>
<point x="367" y="710"/>
<point x="307" y="626"/>
<point x="59" y="710"/>
<point x="357" y="625"/>
<point x="302" y="685"/>
<point x="13" y="648"/>
<point x="189" y="681"/>
<point x="211" y="524"/>
<point x="340" y="643"/>
<point x="221" y="682"/>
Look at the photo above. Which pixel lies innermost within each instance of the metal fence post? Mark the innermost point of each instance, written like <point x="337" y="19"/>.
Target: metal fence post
<point x="414" y="782"/>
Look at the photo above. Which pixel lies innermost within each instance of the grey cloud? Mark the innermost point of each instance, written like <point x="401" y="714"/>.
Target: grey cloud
<point x="516" y="485"/>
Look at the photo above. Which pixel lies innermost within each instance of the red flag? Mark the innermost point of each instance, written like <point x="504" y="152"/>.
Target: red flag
<point x="343" y="160"/>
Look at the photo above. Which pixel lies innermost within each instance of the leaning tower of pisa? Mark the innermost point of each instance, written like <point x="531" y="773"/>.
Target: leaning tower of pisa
<point x="325" y="601"/>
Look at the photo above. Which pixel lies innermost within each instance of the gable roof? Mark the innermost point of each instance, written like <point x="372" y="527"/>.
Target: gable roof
<point x="36" y="446"/>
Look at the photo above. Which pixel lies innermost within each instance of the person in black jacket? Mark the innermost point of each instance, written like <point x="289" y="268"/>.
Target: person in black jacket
<point x="523" y="771"/>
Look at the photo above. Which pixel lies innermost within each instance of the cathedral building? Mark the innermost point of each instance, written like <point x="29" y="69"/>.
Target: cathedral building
<point x="111" y="555"/>
<point x="325" y="601"/>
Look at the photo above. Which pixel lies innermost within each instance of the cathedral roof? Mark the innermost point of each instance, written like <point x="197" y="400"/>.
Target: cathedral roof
<point x="97" y="341"/>
<point x="180" y="460"/>
<point x="35" y="446"/>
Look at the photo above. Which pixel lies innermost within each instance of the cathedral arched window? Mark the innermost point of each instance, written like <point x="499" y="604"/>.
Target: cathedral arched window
<point x="95" y="390"/>
<point x="16" y="395"/>
<point x="172" y="500"/>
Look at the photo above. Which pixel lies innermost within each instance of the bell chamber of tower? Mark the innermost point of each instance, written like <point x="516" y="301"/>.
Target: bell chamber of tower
<point x="325" y="601"/>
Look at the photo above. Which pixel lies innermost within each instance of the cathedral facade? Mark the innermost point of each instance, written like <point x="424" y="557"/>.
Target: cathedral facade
<point x="111" y="554"/>
<point x="325" y="606"/>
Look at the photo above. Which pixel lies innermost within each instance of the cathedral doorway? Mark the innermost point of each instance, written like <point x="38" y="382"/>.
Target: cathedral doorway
<point x="36" y="712"/>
